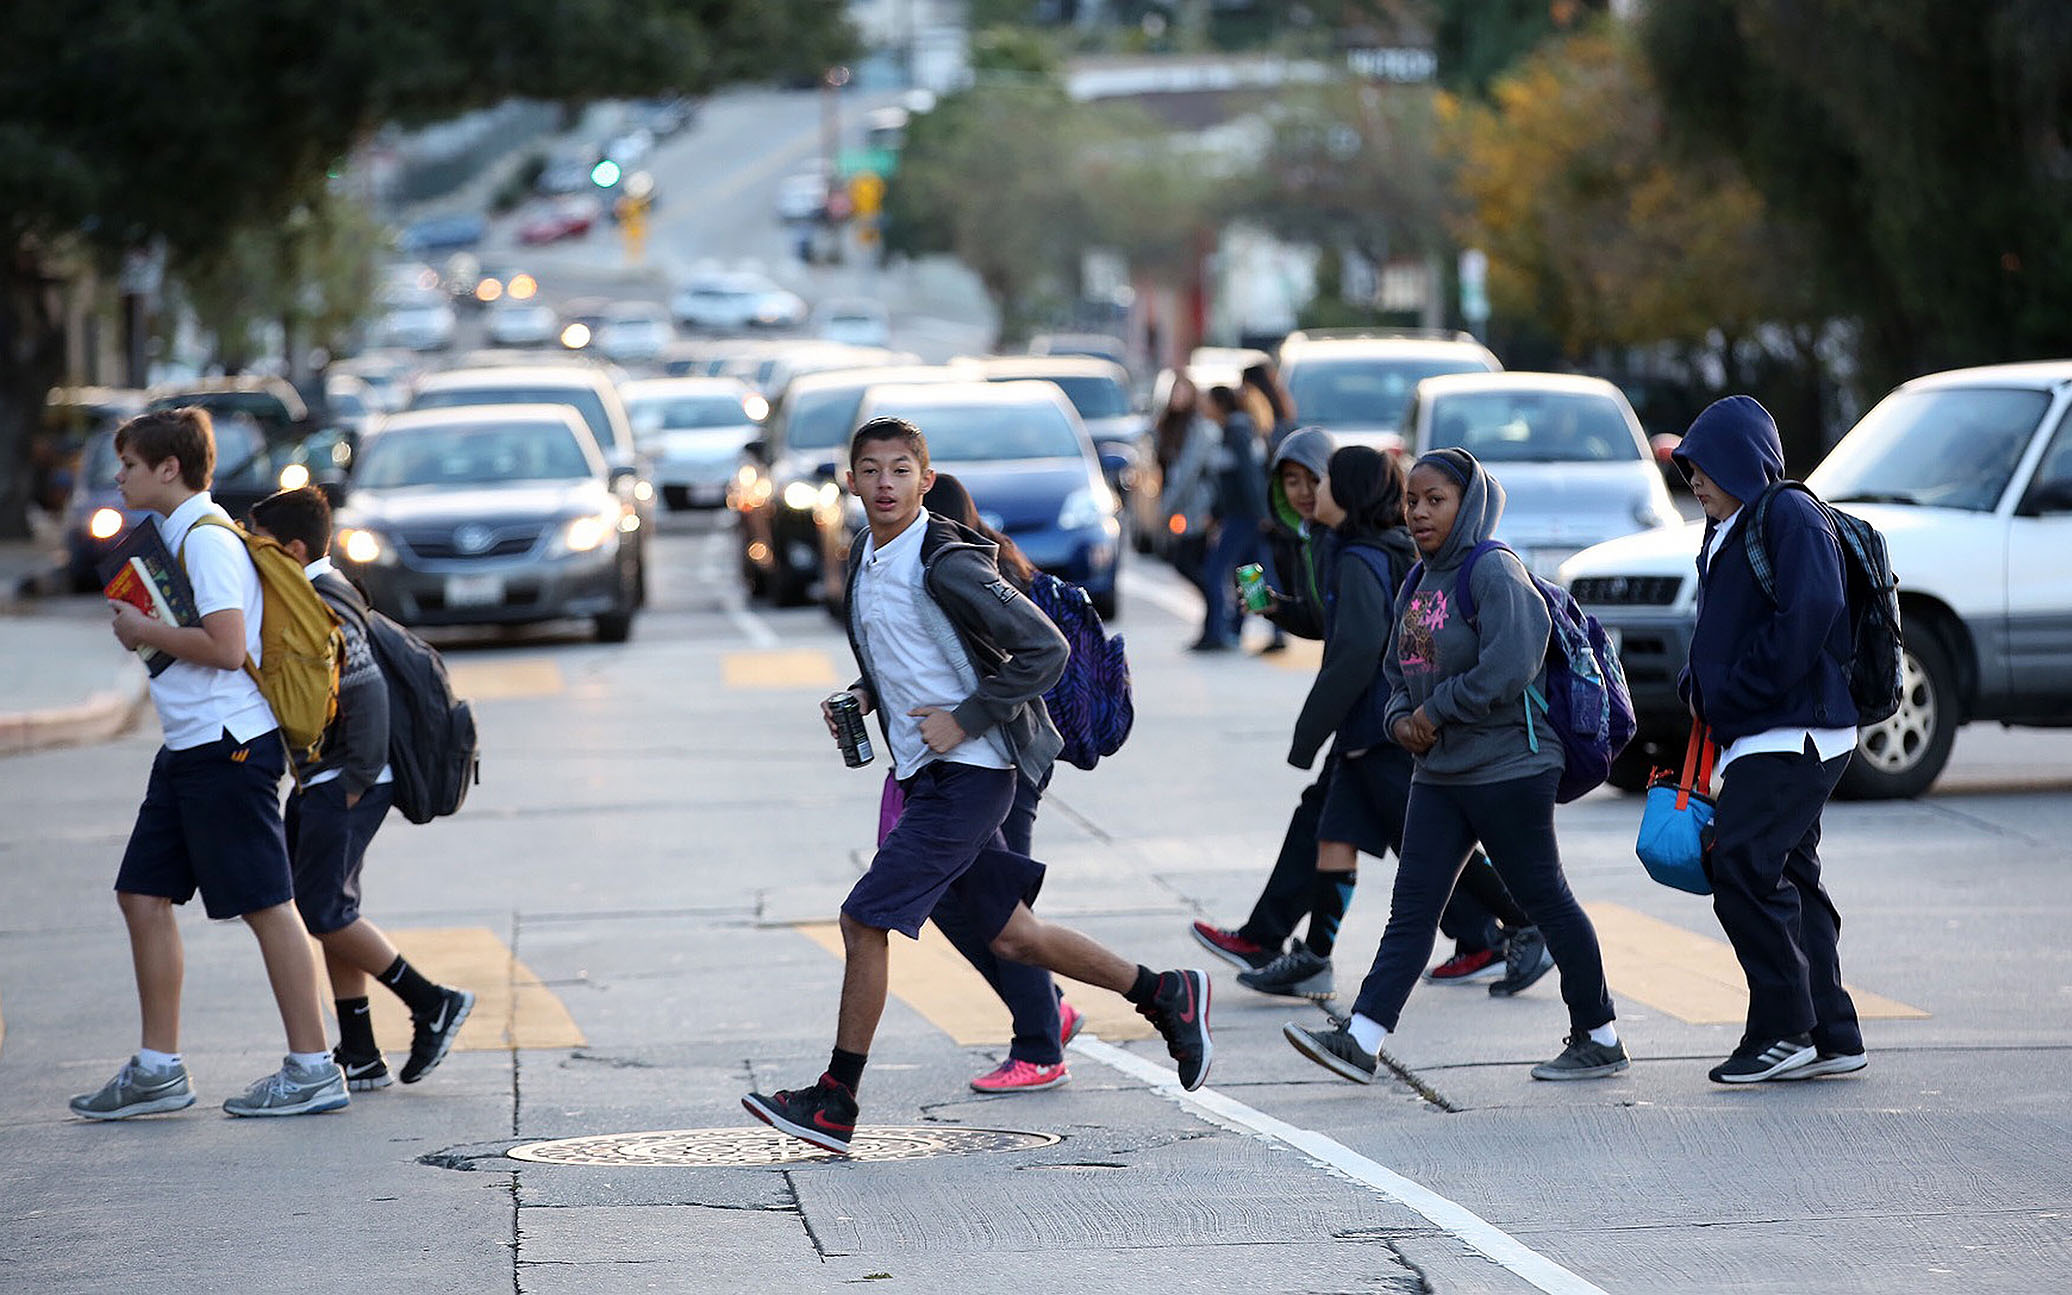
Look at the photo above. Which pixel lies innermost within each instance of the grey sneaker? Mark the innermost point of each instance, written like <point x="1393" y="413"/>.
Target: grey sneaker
<point x="292" y="1090"/>
<point x="1525" y="960"/>
<point x="1298" y="973"/>
<point x="1584" y="1059"/>
<point x="136" y="1091"/>
<point x="1828" y="1063"/>
<point x="1335" y="1050"/>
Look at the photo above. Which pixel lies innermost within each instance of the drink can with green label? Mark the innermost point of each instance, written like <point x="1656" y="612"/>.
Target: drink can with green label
<point x="1251" y="586"/>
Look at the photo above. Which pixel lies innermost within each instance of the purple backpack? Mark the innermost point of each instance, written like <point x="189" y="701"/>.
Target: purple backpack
<point x="1587" y="701"/>
<point x="1090" y="703"/>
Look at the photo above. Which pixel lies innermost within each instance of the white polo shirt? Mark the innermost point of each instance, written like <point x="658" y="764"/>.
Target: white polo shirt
<point x="1829" y="742"/>
<point x="909" y="666"/>
<point x="196" y="703"/>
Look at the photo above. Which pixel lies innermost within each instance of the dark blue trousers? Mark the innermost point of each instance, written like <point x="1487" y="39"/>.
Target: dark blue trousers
<point x="1029" y="992"/>
<point x="1765" y="867"/>
<point x="1515" y="822"/>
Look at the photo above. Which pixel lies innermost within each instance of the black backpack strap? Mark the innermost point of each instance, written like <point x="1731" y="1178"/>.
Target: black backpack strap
<point x="1757" y="538"/>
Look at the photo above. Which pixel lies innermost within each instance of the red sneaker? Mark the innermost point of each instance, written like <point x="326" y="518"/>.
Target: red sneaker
<point x="1235" y="949"/>
<point x="1069" y="1022"/>
<point x="1467" y="968"/>
<point x="1016" y="1076"/>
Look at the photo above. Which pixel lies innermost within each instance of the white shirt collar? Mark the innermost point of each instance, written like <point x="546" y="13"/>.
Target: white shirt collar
<point x="906" y="542"/>
<point x="321" y="567"/>
<point x="189" y="512"/>
<point x="1720" y="532"/>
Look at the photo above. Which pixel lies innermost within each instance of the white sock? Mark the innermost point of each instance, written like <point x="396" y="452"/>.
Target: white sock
<point x="1368" y="1033"/>
<point x="310" y="1060"/>
<point x="1604" y="1035"/>
<point x="154" y="1060"/>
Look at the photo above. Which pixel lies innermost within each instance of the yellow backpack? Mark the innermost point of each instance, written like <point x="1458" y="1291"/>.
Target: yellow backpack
<point x="301" y="646"/>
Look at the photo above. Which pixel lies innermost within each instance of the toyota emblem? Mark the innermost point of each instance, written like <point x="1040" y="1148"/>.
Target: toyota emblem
<point x="473" y="539"/>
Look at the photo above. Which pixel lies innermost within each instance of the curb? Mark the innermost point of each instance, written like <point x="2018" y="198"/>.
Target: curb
<point x="102" y="716"/>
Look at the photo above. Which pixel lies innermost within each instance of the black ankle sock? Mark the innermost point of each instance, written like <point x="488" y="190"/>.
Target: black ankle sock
<point x="421" y="996"/>
<point x="1328" y="902"/>
<point x="355" y="1027"/>
<point x="1146" y="987"/>
<point x="847" y="1068"/>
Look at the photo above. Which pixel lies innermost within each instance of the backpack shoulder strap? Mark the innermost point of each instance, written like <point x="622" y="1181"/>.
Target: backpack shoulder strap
<point x="1463" y="590"/>
<point x="1757" y="533"/>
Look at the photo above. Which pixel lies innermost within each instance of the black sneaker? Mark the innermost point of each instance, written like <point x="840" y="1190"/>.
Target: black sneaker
<point x="824" y="1115"/>
<point x="432" y="1036"/>
<point x="1298" y="973"/>
<point x="1180" y="1010"/>
<point x="1759" y="1059"/>
<point x="1525" y="960"/>
<point x="1335" y="1050"/>
<point x="1584" y="1058"/>
<point x="1828" y="1063"/>
<point x="362" y="1074"/>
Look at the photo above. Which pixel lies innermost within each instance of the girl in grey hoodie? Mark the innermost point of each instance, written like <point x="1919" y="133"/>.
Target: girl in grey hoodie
<point x="1486" y="765"/>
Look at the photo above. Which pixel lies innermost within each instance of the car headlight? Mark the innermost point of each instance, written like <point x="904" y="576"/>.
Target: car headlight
<point x="585" y="534"/>
<point x="294" y="477"/>
<point x="363" y="547"/>
<point x="1085" y="509"/>
<point x="801" y="496"/>
<point x="105" y="524"/>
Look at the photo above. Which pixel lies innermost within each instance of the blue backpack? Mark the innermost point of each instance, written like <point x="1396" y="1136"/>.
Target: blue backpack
<point x="1090" y="703"/>
<point x="1587" y="701"/>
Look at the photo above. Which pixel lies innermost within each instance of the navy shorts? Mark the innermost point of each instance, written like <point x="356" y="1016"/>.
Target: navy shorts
<point x="327" y="843"/>
<point x="1365" y="800"/>
<point x="211" y="821"/>
<point x="947" y="842"/>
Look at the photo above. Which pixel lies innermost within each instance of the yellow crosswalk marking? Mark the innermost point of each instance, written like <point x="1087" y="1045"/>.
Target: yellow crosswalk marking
<point x="524" y="677"/>
<point x="1302" y="655"/>
<point x="512" y="1008"/>
<point x="930" y="976"/>
<point x="1694" y="978"/>
<point x="792" y="668"/>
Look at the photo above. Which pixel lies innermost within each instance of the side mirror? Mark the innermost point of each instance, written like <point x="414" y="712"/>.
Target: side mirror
<point x="1116" y="464"/>
<point x="758" y="449"/>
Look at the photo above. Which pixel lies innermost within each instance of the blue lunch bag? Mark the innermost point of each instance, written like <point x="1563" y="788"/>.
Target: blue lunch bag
<point x="1676" y="825"/>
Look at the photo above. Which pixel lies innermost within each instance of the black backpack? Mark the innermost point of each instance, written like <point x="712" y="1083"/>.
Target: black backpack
<point x="432" y="750"/>
<point x="1876" y="662"/>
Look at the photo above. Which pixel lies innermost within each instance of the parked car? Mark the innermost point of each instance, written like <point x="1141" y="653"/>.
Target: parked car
<point x="1574" y="463"/>
<point x="857" y="321"/>
<point x="789" y="495"/>
<point x="505" y="515"/>
<point x="272" y="403"/>
<point x="1021" y="451"/>
<point x="569" y="216"/>
<point x="633" y="332"/>
<point x="95" y="518"/>
<point x="1100" y="393"/>
<point x="416" y="321"/>
<point x="1969" y="476"/>
<point x="735" y="302"/>
<point x="1100" y="346"/>
<point x="442" y="234"/>
<point x="1356" y="383"/>
<point x="522" y="323"/>
<point x="694" y="432"/>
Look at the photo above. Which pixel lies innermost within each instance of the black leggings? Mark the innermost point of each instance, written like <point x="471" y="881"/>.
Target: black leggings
<point x="1515" y="821"/>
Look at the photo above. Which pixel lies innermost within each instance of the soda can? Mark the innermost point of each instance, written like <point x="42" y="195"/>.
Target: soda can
<point x="1251" y="586"/>
<point x="850" y="734"/>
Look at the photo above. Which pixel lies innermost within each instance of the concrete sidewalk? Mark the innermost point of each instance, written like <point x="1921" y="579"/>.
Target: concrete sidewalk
<point x="64" y="680"/>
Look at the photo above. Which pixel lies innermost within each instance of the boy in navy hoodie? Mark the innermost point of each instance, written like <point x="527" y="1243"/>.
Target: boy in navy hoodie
<point x="1770" y="678"/>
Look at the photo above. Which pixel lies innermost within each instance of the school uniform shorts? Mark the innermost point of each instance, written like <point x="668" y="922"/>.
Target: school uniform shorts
<point x="211" y="821"/>
<point x="947" y="842"/>
<point x="326" y="845"/>
<point x="1365" y="797"/>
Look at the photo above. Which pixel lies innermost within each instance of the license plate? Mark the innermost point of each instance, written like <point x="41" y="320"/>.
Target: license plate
<point x="474" y="591"/>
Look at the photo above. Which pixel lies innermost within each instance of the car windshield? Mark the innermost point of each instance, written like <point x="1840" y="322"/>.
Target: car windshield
<point x="581" y="399"/>
<point x="1534" y="427"/>
<point x="99" y="464"/>
<point x="1095" y="397"/>
<point x="1950" y="448"/>
<point x="1362" y="393"/>
<point x="241" y="457"/>
<point x="478" y="455"/>
<point x="669" y="413"/>
<point x="975" y="433"/>
<point x="817" y="420"/>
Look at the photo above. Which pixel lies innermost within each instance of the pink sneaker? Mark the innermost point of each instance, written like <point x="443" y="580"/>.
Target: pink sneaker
<point x="1069" y="1021"/>
<point x="1015" y="1076"/>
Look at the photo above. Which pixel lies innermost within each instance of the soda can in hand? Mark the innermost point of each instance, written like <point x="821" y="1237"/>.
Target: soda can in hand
<point x="1251" y="587"/>
<point x="850" y="734"/>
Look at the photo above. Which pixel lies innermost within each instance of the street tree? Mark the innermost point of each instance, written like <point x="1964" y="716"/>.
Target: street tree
<point x="134" y="124"/>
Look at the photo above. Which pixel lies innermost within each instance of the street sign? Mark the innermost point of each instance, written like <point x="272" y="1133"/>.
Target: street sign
<point x="867" y="193"/>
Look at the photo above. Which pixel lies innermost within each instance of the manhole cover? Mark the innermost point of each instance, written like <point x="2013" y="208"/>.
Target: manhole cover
<point x="719" y="1148"/>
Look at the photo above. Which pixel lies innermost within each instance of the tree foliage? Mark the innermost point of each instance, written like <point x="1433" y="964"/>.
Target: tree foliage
<point x="1927" y="147"/>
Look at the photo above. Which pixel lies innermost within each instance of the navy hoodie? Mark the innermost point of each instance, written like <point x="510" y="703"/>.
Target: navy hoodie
<point x="1758" y="665"/>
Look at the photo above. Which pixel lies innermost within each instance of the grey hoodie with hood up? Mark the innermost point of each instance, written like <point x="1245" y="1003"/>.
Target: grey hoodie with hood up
<point x="1471" y="677"/>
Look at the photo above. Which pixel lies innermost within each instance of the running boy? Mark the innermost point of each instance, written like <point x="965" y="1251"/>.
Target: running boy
<point x="955" y="661"/>
<point x="1487" y="765"/>
<point x="211" y="818"/>
<point x="332" y="817"/>
<point x="1771" y="679"/>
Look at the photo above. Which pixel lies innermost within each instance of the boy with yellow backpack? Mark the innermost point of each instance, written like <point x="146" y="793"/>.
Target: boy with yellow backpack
<point x="257" y="675"/>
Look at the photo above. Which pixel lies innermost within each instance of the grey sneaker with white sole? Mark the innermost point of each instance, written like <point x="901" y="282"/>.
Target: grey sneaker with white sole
<point x="136" y="1091"/>
<point x="292" y="1090"/>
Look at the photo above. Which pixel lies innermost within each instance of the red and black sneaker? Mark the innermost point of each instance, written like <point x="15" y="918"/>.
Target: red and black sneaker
<point x="1468" y="968"/>
<point x="1180" y="1010"/>
<point x="1235" y="949"/>
<point x="824" y="1115"/>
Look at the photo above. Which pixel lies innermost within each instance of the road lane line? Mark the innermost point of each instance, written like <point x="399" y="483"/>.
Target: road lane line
<point x="1693" y="977"/>
<point x="484" y="680"/>
<point x="930" y="976"/>
<point x="513" y="1009"/>
<point x="1450" y="1217"/>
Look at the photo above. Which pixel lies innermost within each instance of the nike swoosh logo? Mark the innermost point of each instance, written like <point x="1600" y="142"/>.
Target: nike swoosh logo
<point x="820" y="1120"/>
<point x="1187" y="1017"/>
<point x="439" y="1021"/>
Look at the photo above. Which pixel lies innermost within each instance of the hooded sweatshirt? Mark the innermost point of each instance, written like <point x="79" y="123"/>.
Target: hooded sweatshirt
<point x="1300" y="550"/>
<point x="1758" y="665"/>
<point x="1471" y="676"/>
<point x="1350" y="694"/>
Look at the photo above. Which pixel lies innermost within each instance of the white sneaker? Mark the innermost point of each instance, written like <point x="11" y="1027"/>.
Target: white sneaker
<point x="292" y="1090"/>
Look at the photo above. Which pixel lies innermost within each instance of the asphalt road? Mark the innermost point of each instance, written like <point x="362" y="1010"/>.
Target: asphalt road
<point x="640" y="889"/>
